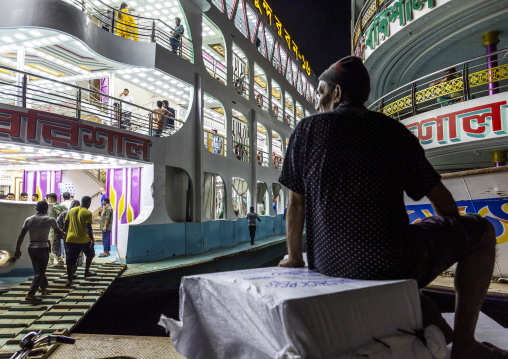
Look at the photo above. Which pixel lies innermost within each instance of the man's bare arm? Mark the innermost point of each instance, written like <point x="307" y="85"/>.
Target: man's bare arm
<point x="295" y="219"/>
<point x="442" y="201"/>
<point x="20" y="241"/>
<point x="89" y="231"/>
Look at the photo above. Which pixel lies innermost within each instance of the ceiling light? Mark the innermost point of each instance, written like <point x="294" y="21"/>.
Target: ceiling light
<point x="35" y="33"/>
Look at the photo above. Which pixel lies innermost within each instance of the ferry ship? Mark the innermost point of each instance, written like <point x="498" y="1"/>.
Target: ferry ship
<point x="229" y="69"/>
<point x="441" y="68"/>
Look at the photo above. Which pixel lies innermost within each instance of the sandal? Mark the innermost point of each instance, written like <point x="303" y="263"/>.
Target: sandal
<point x="103" y="255"/>
<point x="496" y="352"/>
<point x="90" y="274"/>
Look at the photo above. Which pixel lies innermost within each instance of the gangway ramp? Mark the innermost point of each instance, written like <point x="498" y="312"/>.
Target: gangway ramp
<point x="59" y="312"/>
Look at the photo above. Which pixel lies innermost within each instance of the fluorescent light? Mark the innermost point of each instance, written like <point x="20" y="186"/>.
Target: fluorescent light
<point x="35" y="33"/>
<point x="7" y="39"/>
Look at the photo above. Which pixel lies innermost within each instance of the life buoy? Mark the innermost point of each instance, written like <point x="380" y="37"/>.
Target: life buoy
<point x="239" y="86"/>
<point x="260" y="158"/>
<point x="259" y="100"/>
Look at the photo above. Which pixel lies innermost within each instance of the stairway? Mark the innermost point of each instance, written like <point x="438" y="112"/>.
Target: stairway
<point x="96" y="228"/>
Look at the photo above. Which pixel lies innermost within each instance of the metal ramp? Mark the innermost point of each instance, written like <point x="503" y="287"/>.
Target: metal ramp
<point x="59" y="311"/>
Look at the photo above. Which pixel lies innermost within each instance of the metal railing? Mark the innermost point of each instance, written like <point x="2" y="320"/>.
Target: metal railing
<point x="33" y="91"/>
<point x="481" y="76"/>
<point x="215" y="143"/>
<point x="242" y="151"/>
<point x="366" y="17"/>
<point x="263" y="158"/>
<point x="136" y="28"/>
<point x="214" y="67"/>
<point x="241" y="86"/>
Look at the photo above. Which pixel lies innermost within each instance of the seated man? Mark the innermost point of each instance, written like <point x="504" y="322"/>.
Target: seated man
<point x="347" y="169"/>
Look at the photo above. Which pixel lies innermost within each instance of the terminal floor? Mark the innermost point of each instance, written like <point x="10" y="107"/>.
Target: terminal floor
<point x="91" y="346"/>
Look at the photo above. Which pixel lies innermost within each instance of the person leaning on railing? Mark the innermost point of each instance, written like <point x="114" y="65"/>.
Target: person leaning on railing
<point x="106" y="21"/>
<point x="126" y="25"/>
<point x="450" y="74"/>
<point x="159" y="119"/>
<point x="174" y="39"/>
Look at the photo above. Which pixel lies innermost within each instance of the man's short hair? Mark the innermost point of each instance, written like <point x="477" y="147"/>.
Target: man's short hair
<point x="106" y="200"/>
<point x="252" y="209"/>
<point x="159" y="104"/>
<point x="2" y="196"/>
<point x="86" y="200"/>
<point x="165" y="102"/>
<point x="178" y="19"/>
<point x="126" y="90"/>
<point x="352" y="77"/>
<point x="23" y="194"/>
<point x="36" y="195"/>
<point x="66" y="195"/>
<point x="53" y="196"/>
<point x="41" y="206"/>
<point x="11" y="194"/>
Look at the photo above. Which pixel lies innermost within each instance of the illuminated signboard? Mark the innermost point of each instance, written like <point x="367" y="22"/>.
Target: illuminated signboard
<point x="264" y="9"/>
<point x="38" y="127"/>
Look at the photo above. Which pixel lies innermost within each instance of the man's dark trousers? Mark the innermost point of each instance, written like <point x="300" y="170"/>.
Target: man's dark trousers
<point x="40" y="259"/>
<point x="252" y="230"/>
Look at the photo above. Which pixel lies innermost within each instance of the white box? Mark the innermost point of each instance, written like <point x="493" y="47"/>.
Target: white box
<point x="297" y="313"/>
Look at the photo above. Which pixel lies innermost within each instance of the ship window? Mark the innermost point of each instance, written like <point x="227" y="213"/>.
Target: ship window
<point x="214" y="50"/>
<point x="278" y="198"/>
<point x="283" y="59"/>
<point x="304" y="84"/>
<point x="240" y="72"/>
<point x="299" y="82"/>
<point x="240" y="197"/>
<point x="241" y="18"/>
<point x="252" y="20"/>
<point x="294" y="70"/>
<point x="260" y="87"/>
<point x="277" y="151"/>
<point x="262" y="156"/>
<point x="299" y="113"/>
<point x="214" y="126"/>
<point x="277" y="101"/>
<point x="289" y="110"/>
<point x="230" y="7"/>
<point x="178" y="194"/>
<point x="262" y="199"/>
<point x="240" y="131"/>
<point x="214" y="200"/>
<point x="310" y="94"/>
<point x="219" y="4"/>
<point x="260" y="40"/>
<point x="269" y="43"/>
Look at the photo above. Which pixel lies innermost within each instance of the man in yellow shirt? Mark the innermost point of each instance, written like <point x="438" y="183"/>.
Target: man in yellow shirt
<point x="78" y="226"/>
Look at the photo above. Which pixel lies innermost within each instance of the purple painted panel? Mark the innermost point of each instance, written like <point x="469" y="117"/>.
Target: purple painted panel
<point x="43" y="183"/>
<point x="118" y="187"/>
<point x="108" y="173"/>
<point x="136" y="191"/>
<point x="104" y="88"/>
<point x="25" y="182"/>
<point x="34" y="184"/>
<point x="58" y="180"/>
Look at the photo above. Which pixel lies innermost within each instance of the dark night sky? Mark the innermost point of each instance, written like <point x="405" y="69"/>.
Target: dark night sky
<point x="320" y="28"/>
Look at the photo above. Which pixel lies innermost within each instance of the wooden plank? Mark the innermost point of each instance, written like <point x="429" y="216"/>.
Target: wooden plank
<point x="71" y="306"/>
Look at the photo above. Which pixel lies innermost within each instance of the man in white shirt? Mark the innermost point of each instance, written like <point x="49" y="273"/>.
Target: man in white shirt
<point x="38" y="227"/>
<point x="126" y="109"/>
<point x="66" y="200"/>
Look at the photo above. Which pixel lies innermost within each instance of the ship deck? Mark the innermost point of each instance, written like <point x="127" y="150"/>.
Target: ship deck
<point x="59" y="312"/>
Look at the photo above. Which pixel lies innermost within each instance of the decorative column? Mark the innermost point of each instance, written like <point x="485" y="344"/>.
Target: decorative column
<point x="490" y="41"/>
<point x="20" y="66"/>
<point x="499" y="158"/>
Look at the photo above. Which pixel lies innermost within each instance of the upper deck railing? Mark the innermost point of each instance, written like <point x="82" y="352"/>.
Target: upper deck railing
<point x="478" y="77"/>
<point x="367" y="15"/>
<point x="136" y="28"/>
<point x="20" y="89"/>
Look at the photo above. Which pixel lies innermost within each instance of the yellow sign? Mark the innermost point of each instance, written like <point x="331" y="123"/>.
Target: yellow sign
<point x="285" y="36"/>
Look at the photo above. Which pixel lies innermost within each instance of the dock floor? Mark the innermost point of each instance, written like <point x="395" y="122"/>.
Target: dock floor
<point x="60" y="311"/>
<point x="92" y="346"/>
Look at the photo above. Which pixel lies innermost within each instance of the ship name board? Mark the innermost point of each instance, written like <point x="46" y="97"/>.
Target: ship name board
<point x="466" y="125"/>
<point x="44" y="128"/>
<point x="264" y="7"/>
<point x="390" y="20"/>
